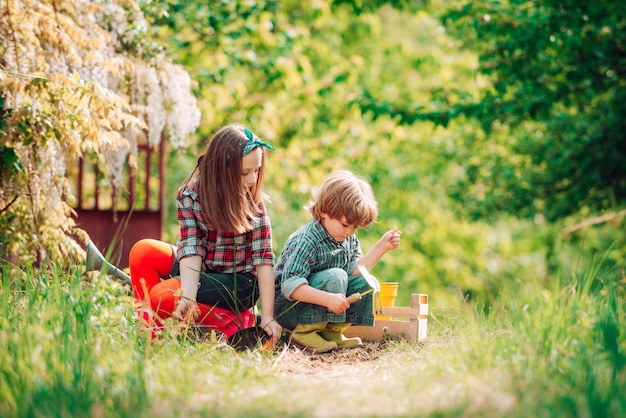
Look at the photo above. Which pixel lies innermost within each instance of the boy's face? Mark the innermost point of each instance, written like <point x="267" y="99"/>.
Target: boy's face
<point x="338" y="228"/>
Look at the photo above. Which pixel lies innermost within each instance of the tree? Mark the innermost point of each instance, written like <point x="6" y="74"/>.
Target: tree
<point x="556" y="99"/>
<point x="550" y="98"/>
<point x="304" y="78"/>
<point x="76" y="79"/>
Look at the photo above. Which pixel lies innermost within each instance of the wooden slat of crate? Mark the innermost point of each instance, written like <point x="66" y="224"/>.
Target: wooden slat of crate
<point x="407" y="322"/>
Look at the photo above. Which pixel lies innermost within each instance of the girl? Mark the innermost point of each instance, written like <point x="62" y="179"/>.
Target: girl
<point x="224" y="258"/>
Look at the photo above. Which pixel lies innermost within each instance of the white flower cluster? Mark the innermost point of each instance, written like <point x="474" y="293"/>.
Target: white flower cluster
<point x="20" y="55"/>
<point x="101" y="41"/>
<point x="159" y="92"/>
<point x="183" y="114"/>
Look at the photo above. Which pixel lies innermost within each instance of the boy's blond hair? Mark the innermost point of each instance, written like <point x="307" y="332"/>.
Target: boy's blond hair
<point x="344" y="194"/>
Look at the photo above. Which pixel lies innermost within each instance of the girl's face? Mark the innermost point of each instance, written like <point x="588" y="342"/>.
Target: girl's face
<point x="250" y="167"/>
<point x="338" y="228"/>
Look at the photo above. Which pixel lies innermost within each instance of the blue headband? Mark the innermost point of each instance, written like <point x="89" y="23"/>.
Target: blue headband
<point x="253" y="142"/>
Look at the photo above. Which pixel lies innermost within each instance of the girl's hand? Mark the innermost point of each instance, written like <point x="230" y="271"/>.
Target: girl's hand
<point x="391" y="239"/>
<point x="337" y="303"/>
<point x="187" y="311"/>
<point x="271" y="328"/>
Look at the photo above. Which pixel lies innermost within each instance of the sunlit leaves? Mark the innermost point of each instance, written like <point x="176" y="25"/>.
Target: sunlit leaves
<point x="556" y="63"/>
<point x="71" y="82"/>
<point x="339" y="90"/>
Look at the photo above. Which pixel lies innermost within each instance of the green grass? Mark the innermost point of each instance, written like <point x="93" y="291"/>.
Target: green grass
<point x="70" y="347"/>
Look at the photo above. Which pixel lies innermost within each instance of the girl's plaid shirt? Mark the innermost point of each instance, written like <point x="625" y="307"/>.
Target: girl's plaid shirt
<point x="222" y="251"/>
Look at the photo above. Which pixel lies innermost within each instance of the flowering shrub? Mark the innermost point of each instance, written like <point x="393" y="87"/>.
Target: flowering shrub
<point x="78" y="78"/>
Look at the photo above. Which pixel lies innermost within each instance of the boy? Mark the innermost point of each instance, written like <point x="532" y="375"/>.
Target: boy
<point x="318" y="266"/>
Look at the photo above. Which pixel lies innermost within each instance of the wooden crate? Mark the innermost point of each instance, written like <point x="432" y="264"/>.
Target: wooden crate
<point x="406" y="322"/>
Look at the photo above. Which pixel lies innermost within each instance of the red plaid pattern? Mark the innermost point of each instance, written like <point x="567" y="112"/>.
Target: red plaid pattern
<point x="223" y="252"/>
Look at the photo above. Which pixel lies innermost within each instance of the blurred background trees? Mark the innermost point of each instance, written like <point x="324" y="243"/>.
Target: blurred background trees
<point x="484" y="127"/>
<point x="557" y="93"/>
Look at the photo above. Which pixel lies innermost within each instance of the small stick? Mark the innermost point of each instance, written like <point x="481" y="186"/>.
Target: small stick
<point x="355" y="297"/>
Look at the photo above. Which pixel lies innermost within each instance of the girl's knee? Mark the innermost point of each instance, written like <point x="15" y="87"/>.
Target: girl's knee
<point x="141" y="249"/>
<point x="148" y="255"/>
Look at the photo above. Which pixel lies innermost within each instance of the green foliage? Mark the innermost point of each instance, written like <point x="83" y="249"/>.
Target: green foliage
<point x="574" y="334"/>
<point x="72" y="346"/>
<point x="371" y="6"/>
<point x="390" y="95"/>
<point x="561" y="347"/>
<point x="65" y="345"/>
<point x="555" y="76"/>
<point x="234" y="50"/>
<point x="10" y="162"/>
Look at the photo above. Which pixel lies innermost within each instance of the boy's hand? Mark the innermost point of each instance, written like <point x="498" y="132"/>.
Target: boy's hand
<point x="337" y="303"/>
<point x="391" y="239"/>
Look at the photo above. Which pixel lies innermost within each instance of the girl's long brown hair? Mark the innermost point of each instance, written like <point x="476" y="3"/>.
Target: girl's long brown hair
<point x="226" y="205"/>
